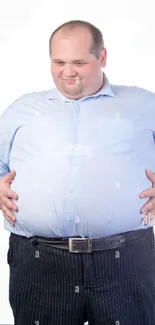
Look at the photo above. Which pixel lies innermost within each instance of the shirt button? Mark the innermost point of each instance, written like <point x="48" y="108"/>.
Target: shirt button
<point x="117" y="184"/>
<point x="71" y="190"/>
<point x="117" y="115"/>
<point x="68" y="220"/>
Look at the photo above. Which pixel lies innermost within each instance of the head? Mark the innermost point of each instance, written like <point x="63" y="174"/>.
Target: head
<point x="77" y="56"/>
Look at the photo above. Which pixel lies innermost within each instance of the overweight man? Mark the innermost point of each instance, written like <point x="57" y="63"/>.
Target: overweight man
<point x="72" y="166"/>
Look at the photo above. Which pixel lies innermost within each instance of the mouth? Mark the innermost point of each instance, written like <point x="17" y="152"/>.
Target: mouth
<point x="72" y="81"/>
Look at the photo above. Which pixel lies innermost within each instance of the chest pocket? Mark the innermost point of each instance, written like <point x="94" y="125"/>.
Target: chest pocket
<point x="116" y="136"/>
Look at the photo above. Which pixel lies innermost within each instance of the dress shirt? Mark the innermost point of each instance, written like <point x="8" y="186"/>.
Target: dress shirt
<point x="80" y="164"/>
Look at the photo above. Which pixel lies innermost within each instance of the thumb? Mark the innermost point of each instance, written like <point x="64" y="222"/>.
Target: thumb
<point x="150" y="175"/>
<point x="9" y="177"/>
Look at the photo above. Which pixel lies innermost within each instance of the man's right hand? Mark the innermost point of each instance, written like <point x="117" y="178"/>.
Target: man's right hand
<point x="6" y="197"/>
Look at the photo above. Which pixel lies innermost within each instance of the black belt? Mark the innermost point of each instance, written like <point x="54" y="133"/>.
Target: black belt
<point x="81" y="244"/>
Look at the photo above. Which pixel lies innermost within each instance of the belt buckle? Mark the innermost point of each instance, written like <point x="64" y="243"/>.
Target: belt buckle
<point x="85" y="245"/>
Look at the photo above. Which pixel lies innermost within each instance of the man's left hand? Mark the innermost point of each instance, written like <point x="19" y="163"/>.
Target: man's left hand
<point x="149" y="207"/>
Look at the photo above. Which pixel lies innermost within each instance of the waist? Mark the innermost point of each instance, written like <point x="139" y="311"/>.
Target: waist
<point x="81" y="244"/>
<point x="87" y="227"/>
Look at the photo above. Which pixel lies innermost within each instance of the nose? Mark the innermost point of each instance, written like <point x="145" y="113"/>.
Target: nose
<point x="69" y="71"/>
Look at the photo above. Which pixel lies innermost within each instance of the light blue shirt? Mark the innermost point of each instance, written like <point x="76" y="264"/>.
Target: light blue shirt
<point x="80" y="164"/>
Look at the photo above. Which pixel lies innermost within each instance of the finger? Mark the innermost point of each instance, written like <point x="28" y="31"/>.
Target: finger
<point x="11" y="194"/>
<point x="151" y="176"/>
<point x="149" y="218"/>
<point x="9" y="204"/>
<point x="8" y="213"/>
<point x="8" y="219"/>
<point x="150" y="192"/>
<point x="9" y="177"/>
<point x="148" y="206"/>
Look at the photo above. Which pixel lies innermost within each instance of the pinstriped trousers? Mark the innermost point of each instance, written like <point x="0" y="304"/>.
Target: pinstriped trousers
<point x="51" y="286"/>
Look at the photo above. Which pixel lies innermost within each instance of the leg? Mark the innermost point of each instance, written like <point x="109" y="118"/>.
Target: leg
<point x="120" y="289"/>
<point x="44" y="284"/>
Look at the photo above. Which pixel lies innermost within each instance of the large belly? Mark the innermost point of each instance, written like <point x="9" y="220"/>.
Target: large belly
<point x="103" y="197"/>
<point x="56" y="186"/>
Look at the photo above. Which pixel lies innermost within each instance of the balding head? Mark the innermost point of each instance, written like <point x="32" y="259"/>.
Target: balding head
<point x="97" y="42"/>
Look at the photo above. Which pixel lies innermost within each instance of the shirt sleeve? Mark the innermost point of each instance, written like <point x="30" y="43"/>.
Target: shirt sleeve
<point x="10" y="120"/>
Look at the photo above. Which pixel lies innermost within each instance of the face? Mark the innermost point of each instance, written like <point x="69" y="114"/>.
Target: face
<point x="75" y="71"/>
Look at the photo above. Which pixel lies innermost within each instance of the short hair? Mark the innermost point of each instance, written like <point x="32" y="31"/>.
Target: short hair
<point x="97" y="37"/>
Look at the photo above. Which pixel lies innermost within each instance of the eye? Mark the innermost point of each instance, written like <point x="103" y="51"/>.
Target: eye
<point x="80" y="63"/>
<point x="59" y="62"/>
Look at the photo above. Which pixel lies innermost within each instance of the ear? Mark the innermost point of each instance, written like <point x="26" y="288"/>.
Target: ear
<point x="103" y="58"/>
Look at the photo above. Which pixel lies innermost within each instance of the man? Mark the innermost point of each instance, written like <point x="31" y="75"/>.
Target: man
<point x="79" y="250"/>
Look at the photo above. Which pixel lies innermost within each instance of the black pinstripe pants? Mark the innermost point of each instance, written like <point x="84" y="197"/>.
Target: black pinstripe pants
<point x="50" y="286"/>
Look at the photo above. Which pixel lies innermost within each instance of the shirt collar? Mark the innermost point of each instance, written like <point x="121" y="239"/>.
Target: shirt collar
<point x="106" y="90"/>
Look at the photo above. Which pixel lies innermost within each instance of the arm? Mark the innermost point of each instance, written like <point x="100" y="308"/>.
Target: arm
<point x="4" y="169"/>
<point x="11" y="119"/>
<point x="7" y="129"/>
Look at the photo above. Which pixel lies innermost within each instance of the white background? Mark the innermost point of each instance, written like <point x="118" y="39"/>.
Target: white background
<point x="128" y="27"/>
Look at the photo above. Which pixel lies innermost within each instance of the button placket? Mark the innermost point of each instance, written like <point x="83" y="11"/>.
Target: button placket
<point x="73" y="158"/>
